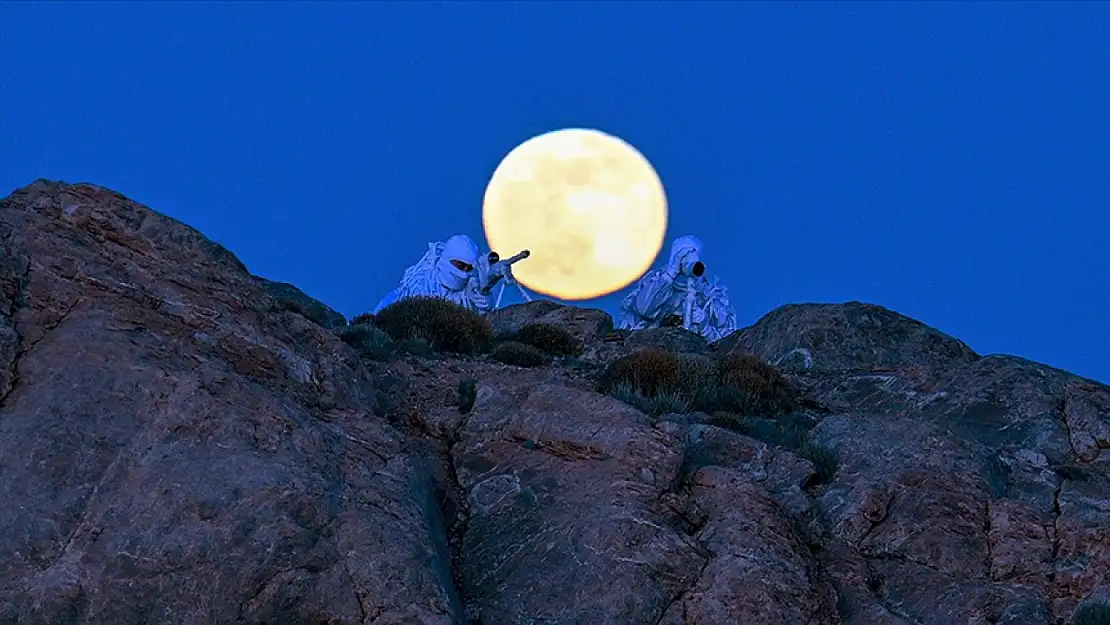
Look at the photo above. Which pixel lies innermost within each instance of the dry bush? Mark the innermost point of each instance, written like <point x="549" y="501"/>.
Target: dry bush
<point x="363" y="319"/>
<point x="654" y="371"/>
<point x="646" y="371"/>
<point x="518" y="354"/>
<point x="369" y="341"/>
<point x="551" y="338"/>
<point x="654" y="405"/>
<point x="445" y="325"/>
<point x="749" y="386"/>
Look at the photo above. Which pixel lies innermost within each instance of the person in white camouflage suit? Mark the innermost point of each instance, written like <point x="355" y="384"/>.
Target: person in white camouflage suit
<point x="682" y="293"/>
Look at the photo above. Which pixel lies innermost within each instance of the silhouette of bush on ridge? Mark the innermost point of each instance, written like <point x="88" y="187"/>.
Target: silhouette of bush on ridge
<point x="363" y="319"/>
<point x="443" y="325"/>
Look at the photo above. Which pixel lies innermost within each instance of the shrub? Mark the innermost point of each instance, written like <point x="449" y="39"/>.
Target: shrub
<point x="364" y="318"/>
<point x="369" y="341"/>
<point x="551" y="338"/>
<point x="445" y="325"/>
<point x="518" y="354"/>
<point x="418" y="345"/>
<point x="655" y="371"/>
<point x="308" y="308"/>
<point x="646" y="371"/>
<point x="749" y="386"/>
<point x="1092" y="613"/>
<point x="655" y="405"/>
<point x="468" y="392"/>
<point x="825" y="462"/>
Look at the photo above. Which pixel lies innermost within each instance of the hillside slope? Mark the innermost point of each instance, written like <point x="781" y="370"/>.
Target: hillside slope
<point x="183" y="442"/>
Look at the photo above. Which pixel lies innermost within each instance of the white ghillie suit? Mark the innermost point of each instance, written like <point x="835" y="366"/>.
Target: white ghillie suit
<point x="664" y="292"/>
<point x="446" y="271"/>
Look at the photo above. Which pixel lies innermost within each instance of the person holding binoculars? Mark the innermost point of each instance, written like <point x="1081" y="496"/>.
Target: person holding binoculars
<point x="680" y="291"/>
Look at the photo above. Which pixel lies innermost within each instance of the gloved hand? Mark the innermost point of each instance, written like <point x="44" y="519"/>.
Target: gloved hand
<point x="675" y="269"/>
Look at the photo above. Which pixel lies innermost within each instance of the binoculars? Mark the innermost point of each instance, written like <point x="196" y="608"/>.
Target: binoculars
<point x="691" y="265"/>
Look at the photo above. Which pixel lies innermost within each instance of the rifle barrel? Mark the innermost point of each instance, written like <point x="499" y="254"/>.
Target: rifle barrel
<point x="520" y="256"/>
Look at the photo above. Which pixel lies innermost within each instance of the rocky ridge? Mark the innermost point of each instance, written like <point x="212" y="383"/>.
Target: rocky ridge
<point x="183" y="442"/>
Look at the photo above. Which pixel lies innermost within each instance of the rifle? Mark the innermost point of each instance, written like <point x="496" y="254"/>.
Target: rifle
<point x="500" y="269"/>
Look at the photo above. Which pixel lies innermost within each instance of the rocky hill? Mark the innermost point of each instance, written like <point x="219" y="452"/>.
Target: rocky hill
<point x="183" y="442"/>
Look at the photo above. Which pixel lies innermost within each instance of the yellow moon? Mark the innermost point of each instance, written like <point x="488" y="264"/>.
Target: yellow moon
<point x="589" y="207"/>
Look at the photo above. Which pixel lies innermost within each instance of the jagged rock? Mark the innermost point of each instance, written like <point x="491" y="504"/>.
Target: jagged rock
<point x="562" y="484"/>
<point x="853" y="356"/>
<point x="759" y="571"/>
<point x="165" y="456"/>
<point x="288" y="297"/>
<point x="177" y="446"/>
<point x="586" y="324"/>
<point x="676" y="340"/>
<point x="847" y="337"/>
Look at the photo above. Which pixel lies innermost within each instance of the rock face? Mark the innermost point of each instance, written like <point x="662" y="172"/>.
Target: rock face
<point x="183" y="442"/>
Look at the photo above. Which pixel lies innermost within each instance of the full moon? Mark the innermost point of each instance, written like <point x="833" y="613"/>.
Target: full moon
<point x="589" y="207"/>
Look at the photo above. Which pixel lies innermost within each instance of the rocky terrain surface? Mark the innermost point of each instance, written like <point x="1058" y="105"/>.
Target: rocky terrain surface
<point x="182" y="442"/>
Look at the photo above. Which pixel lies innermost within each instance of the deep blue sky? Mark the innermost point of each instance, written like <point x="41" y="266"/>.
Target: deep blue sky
<point x="948" y="161"/>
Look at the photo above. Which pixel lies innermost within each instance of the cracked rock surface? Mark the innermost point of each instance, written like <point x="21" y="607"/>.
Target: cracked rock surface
<point x="183" y="442"/>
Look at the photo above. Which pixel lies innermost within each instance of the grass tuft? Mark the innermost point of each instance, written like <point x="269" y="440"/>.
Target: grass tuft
<point x="551" y="338"/>
<point x="518" y="354"/>
<point x="443" y="325"/>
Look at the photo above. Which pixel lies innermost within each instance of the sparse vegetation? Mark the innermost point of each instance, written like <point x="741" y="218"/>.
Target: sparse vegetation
<point x="749" y="386"/>
<point x="654" y="405"/>
<point x="740" y="391"/>
<point x="369" y="341"/>
<point x="551" y="338"/>
<point x="650" y="372"/>
<point x="468" y="392"/>
<point x="825" y="462"/>
<point x="615" y="336"/>
<point x="364" y="318"/>
<point x="789" y="431"/>
<point x="444" y="325"/>
<point x="518" y="354"/>
<point x="737" y="383"/>
<point x="418" y="345"/>
<point x="1092" y="613"/>
<point x="313" y="311"/>
<point x="281" y="304"/>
